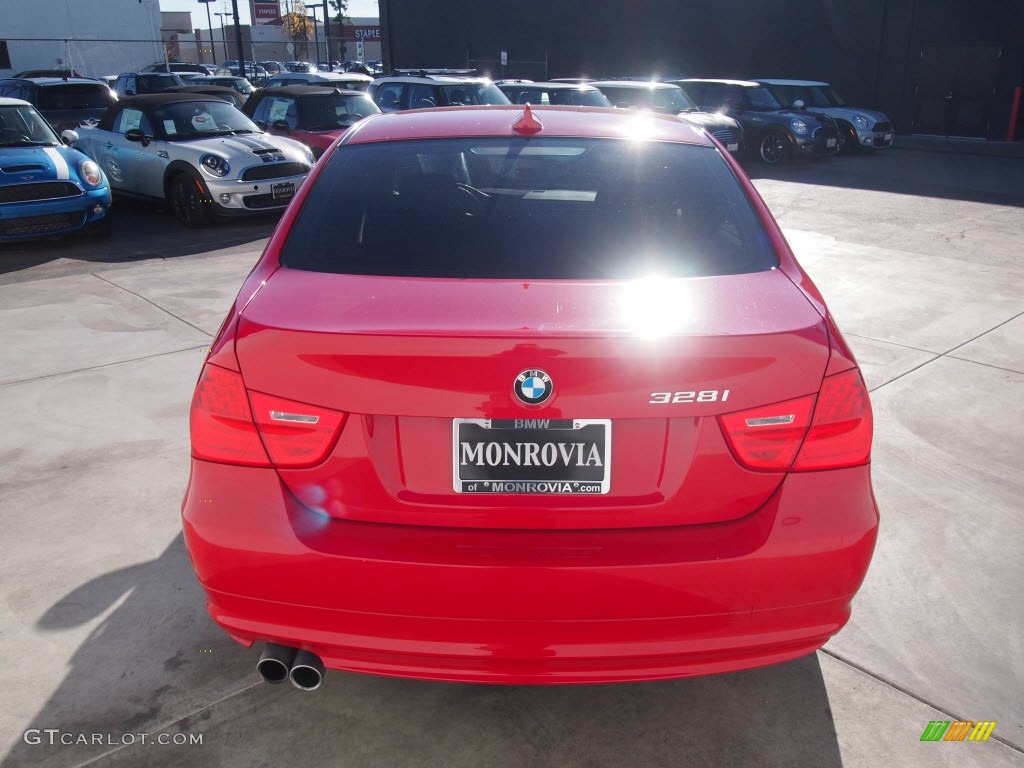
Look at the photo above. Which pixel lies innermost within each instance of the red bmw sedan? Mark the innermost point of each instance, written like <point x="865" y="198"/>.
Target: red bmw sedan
<point x="529" y="397"/>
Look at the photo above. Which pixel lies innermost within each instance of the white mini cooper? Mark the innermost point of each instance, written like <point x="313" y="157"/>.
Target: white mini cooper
<point x="198" y="153"/>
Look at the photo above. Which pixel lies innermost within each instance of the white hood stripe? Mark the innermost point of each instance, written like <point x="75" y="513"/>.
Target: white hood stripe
<point x="59" y="163"/>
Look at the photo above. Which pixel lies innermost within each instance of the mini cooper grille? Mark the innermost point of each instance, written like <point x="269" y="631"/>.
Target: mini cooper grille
<point x="39" y="225"/>
<point x="726" y="135"/>
<point x="883" y="126"/>
<point x="20" y="193"/>
<point x="274" y="171"/>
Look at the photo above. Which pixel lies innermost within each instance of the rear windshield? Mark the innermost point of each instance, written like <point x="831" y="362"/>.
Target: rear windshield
<point x="73" y="96"/>
<point x="670" y="101"/>
<point x="576" y="97"/>
<point x="156" y="83"/>
<point x="527" y="209"/>
<point x="327" y="112"/>
<point x="471" y="94"/>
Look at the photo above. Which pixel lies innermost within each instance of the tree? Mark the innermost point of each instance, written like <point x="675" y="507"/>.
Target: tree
<point x="297" y="25"/>
<point x="340" y="20"/>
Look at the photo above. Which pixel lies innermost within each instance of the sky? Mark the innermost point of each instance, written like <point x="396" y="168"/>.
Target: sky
<point x="356" y="9"/>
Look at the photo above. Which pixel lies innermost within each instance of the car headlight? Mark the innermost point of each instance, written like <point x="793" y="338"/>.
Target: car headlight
<point x="798" y="126"/>
<point x="90" y="173"/>
<point x="860" y="121"/>
<point x="215" y="165"/>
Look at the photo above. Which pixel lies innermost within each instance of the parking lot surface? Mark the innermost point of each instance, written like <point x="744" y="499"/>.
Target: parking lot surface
<point x="102" y="623"/>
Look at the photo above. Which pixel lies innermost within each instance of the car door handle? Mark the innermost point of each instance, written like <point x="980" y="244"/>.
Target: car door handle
<point x="108" y="145"/>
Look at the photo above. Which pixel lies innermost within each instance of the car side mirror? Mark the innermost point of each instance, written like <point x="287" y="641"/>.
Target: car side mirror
<point x="69" y="137"/>
<point x="136" y="134"/>
<point x="799" y="104"/>
<point x="281" y="125"/>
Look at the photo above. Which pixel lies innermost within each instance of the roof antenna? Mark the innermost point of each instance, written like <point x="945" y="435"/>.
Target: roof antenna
<point x="527" y="124"/>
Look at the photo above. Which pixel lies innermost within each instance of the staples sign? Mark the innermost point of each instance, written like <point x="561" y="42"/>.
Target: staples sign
<point x="266" y="12"/>
<point x="364" y="34"/>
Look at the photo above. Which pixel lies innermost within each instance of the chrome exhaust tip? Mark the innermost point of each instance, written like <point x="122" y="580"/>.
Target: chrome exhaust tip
<point x="307" y="671"/>
<point x="275" y="663"/>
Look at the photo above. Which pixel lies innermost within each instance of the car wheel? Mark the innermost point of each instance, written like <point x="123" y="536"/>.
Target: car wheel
<point x="189" y="204"/>
<point x="773" y="148"/>
<point x="846" y="142"/>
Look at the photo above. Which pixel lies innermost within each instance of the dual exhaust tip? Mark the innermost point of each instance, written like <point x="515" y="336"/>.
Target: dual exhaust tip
<point x="279" y="663"/>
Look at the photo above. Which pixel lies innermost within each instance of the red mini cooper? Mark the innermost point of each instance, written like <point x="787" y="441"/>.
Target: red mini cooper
<point x="529" y="396"/>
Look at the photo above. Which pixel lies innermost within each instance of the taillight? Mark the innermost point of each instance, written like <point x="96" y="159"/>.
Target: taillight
<point x="295" y="434"/>
<point x="283" y="433"/>
<point x="768" y="437"/>
<point x="840" y="435"/>
<point x="827" y="431"/>
<point x="221" y="422"/>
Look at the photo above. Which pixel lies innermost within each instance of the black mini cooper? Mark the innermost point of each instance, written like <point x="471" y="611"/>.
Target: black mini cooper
<point x="773" y="132"/>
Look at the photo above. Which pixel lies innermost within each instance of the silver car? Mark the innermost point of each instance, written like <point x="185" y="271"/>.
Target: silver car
<point x="858" y="128"/>
<point x="198" y="153"/>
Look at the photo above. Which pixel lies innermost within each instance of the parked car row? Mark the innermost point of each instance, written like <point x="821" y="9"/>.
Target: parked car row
<point x="215" y="146"/>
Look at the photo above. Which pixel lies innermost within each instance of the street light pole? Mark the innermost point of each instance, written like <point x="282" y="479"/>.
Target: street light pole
<point x="223" y="35"/>
<point x="238" y="39"/>
<point x="316" y="35"/>
<point x="209" y="24"/>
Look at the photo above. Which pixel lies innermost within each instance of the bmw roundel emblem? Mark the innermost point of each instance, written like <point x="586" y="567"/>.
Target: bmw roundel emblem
<point x="533" y="387"/>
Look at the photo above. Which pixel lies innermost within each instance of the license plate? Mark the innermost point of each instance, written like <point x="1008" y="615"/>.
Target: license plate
<point x="732" y="147"/>
<point x="283" y="191"/>
<point x="532" y="456"/>
<point x="887" y="137"/>
<point x="830" y="143"/>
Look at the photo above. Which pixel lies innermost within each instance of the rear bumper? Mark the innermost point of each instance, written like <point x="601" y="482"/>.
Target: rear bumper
<point x="531" y="606"/>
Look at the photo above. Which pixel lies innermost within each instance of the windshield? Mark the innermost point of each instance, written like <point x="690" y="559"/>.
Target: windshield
<point x="328" y="112"/>
<point x="22" y="126"/>
<point x="762" y="100"/>
<point x="540" y="208"/>
<point x="156" y="83"/>
<point x="472" y="93"/>
<point x="826" y="96"/>
<point x="181" y="121"/>
<point x="671" y="100"/>
<point x="75" y="96"/>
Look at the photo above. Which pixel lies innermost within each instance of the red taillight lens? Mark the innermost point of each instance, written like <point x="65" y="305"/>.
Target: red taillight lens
<point x="221" y="422"/>
<point x="768" y="437"/>
<point x="786" y="436"/>
<point x="295" y="434"/>
<point x="840" y="435"/>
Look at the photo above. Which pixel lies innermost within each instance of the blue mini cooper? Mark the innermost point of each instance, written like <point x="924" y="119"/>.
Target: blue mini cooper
<point x="46" y="188"/>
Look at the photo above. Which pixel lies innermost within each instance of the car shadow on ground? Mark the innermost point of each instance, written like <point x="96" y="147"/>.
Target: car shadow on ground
<point x="141" y="231"/>
<point x="156" y="663"/>
<point x="972" y="178"/>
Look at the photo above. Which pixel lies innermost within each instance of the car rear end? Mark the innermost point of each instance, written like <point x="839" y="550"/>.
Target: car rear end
<point x="530" y="398"/>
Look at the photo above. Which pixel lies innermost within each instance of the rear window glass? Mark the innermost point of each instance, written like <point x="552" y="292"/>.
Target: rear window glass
<point x="75" y="97"/>
<point x="548" y="208"/>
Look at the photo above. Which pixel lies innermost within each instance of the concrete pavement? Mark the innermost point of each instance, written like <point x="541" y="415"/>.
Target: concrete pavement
<point x="103" y="625"/>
